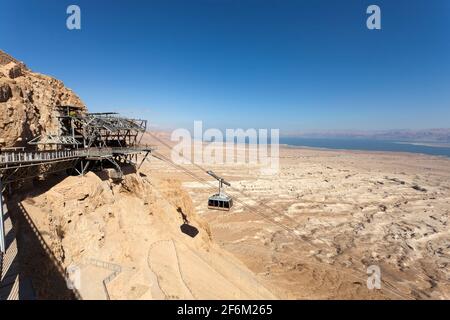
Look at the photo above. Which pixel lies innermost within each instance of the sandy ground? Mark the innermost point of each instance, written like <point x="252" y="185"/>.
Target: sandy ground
<point x="312" y="229"/>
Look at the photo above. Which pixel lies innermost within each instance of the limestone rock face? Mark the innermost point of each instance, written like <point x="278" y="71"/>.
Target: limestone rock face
<point x="29" y="102"/>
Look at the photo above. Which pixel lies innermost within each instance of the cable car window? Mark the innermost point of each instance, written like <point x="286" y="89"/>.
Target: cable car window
<point x="227" y="205"/>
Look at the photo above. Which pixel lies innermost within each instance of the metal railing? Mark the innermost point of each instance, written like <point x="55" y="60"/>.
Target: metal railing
<point x="3" y="210"/>
<point x="115" y="271"/>
<point x="43" y="156"/>
<point x="39" y="156"/>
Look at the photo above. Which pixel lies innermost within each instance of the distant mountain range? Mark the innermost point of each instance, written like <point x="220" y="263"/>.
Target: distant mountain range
<point x="423" y="135"/>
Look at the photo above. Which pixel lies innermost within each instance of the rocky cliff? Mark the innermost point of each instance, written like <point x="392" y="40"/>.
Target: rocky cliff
<point x="29" y="102"/>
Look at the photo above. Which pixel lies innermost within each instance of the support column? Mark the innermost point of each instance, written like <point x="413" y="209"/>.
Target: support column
<point x="2" y="216"/>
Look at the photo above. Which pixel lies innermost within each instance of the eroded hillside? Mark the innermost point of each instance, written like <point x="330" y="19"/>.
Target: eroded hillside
<point x="143" y="226"/>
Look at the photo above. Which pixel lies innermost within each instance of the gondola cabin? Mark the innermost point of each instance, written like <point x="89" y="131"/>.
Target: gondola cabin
<point x="220" y="202"/>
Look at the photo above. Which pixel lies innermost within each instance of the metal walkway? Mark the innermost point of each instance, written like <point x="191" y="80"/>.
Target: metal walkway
<point x="19" y="158"/>
<point x="17" y="165"/>
<point x="9" y="269"/>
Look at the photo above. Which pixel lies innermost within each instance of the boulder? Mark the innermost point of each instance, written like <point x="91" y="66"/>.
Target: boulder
<point x="15" y="72"/>
<point x="5" y="92"/>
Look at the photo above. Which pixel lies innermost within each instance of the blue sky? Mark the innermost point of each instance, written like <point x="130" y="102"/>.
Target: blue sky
<point x="294" y="65"/>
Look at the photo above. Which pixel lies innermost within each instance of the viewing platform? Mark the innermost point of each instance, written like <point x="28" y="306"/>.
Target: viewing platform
<point x="10" y="159"/>
<point x="83" y="142"/>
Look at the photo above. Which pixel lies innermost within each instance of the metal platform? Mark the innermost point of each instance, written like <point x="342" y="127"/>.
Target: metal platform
<point x="83" y="141"/>
<point x="21" y="158"/>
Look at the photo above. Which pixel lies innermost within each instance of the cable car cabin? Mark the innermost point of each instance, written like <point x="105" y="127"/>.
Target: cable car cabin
<point x="220" y="202"/>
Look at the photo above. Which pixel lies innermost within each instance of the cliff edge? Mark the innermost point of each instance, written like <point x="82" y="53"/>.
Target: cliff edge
<point x="29" y="102"/>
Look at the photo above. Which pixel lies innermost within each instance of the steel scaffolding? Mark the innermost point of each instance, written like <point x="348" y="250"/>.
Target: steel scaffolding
<point x="82" y="140"/>
<point x="2" y="223"/>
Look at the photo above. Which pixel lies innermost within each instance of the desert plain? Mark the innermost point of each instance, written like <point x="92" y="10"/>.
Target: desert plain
<point x="310" y="230"/>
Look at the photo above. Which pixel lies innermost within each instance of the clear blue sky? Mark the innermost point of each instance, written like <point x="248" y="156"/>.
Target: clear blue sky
<point x="280" y="64"/>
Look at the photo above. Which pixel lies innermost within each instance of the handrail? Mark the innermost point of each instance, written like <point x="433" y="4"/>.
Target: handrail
<point x="39" y="156"/>
<point x="43" y="156"/>
<point x="115" y="268"/>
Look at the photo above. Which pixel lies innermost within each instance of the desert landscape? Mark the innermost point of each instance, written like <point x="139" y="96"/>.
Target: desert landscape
<point x="253" y="154"/>
<point x="134" y="227"/>
<point x="310" y="230"/>
<point x="91" y="236"/>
